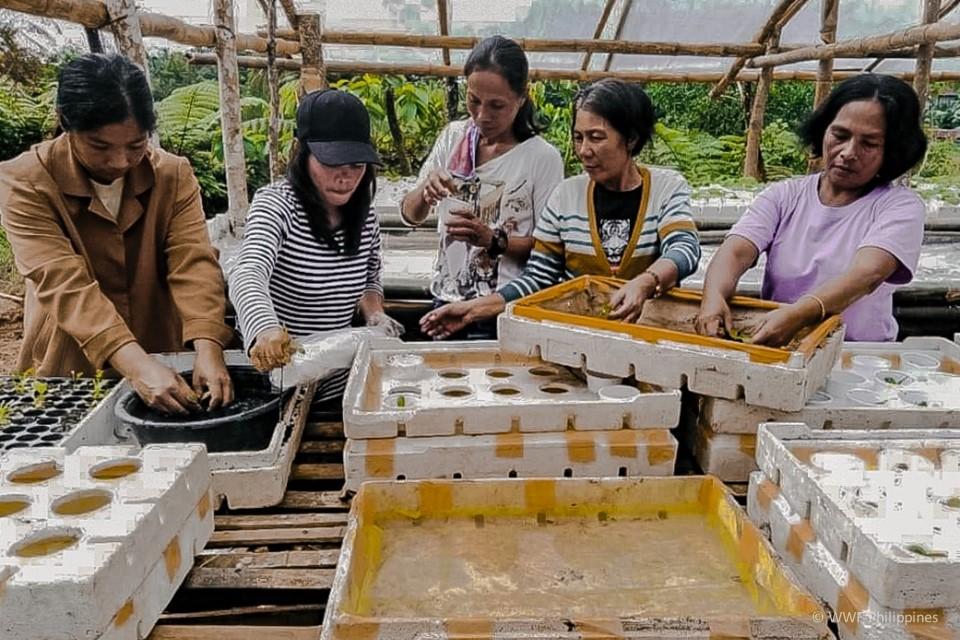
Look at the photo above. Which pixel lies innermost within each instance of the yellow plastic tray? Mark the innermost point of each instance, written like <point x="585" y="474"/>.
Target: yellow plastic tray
<point x="609" y="554"/>
<point x="538" y="307"/>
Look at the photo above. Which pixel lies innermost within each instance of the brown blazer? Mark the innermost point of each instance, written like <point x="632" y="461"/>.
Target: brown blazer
<point x="95" y="284"/>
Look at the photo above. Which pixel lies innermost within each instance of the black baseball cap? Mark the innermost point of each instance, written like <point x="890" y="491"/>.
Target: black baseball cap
<point x="336" y="127"/>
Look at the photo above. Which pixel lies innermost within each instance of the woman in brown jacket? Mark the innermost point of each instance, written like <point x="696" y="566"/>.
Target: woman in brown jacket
<point x="111" y="239"/>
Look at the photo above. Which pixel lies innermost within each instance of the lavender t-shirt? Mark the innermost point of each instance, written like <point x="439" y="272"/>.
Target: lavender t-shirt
<point x="808" y="243"/>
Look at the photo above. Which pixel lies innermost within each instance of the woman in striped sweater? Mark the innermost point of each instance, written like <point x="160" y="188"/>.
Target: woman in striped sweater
<point x="618" y="219"/>
<point x="311" y="247"/>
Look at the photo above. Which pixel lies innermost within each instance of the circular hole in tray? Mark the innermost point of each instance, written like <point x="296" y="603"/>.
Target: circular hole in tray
<point x="47" y="421"/>
<point x="506" y="390"/>
<point x="901" y="460"/>
<point x="919" y="360"/>
<point x="543" y="371"/>
<point x="17" y="445"/>
<point x="821" y="397"/>
<point x="83" y="502"/>
<point x="499" y="373"/>
<point x="866" y="397"/>
<point x="554" y="389"/>
<point x="28" y="437"/>
<point x="863" y="508"/>
<point x="35" y="473"/>
<point x="15" y="429"/>
<point x="831" y="461"/>
<point x="950" y="460"/>
<point x="456" y="392"/>
<point x="7" y="437"/>
<point x="52" y="437"/>
<point x="868" y="362"/>
<point x="46" y="543"/>
<point x="56" y="413"/>
<point x="618" y="392"/>
<point x="398" y="400"/>
<point x="33" y="413"/>
<point x="12" y="504"/>
<point x="405" y="360"/>
<point x="452" y="374"/>
<point x="37" y="429"/>
<point x="115" y="468"/>
<point x="917" y="398"/>
<point x="893" y="378"/>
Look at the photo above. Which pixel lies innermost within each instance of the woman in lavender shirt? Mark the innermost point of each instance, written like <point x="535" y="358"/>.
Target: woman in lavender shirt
<point x="839" y="241"/>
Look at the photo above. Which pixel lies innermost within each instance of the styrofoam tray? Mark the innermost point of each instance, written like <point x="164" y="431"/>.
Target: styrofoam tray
<point x="94" y="525"/>
<point x="569" y="558"/>
<point x="245" y="479"/>
<point x="711" y="371"/>
<point x="729" y="456"/>
<point x="443" y="389"/>
<point x="856" y="612"/>
<point x="572" y="454"/>
<point x="926" y="393"/>
<point x="884" y="501"/>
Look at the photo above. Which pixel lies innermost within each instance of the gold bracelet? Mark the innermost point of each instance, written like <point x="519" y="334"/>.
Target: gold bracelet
<point x="657" y="289"/>
<point x="823" y="307"/>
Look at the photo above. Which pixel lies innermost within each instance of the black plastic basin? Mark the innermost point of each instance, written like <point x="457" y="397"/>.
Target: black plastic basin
<point x="247" y="424"/>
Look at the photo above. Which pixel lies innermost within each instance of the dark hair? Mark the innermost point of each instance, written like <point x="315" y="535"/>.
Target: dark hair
<point x="904" y="143"/>
<point x="504" y="57"/>
<point x="355" y="211"/>
<point x="98" y="89"/>
<point x="626" y="106"/>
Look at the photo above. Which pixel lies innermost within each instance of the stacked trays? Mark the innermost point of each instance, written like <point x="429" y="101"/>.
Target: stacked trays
<point x="94" y="543"/>
<point x="467" y="410"/>
<point x="870" y="521"/>
<point x="911" y="384"/>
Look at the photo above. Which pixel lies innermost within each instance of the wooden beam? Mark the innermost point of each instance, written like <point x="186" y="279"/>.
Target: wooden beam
<point x="598" y="31"/>
<point x="776" y="18"/>
<point x="313" y="75"/>
<point x="751" y="164"/>
<point x="235" y="165"/>
<point x="341" y="67"/>
<point x="232" y="632"/>
<point x="857" y="47"/>
<point x="273" y="87"/>
<point x="290" y="10"/>
<point x="938" y="52"/>
<point x="921" y="83"/>
<point x="443" y="19"/>
<point x="829" y="14"/>
<point x="627" y="5"/>
<point x="125" y="25"/>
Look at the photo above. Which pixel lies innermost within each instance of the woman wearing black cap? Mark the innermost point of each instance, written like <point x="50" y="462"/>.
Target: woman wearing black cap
<point x="311" y="247"/>
<point x="488" y="177"/>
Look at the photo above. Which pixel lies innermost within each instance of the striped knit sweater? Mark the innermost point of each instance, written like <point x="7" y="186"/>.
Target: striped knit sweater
<point x="567" y="240"/>
<point x="284" y="277"/>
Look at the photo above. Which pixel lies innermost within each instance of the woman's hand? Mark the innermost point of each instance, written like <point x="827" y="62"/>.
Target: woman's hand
<point x="447" y="320"/>
<point x="778" y="327"/>
<point x="438" y="186"/>
<point x="271" y="349"/>
<point x="163" y="389"/>
<point x="715" y="318"/>
<point x="465" y="227"/>
<point x="391" y="327"/>
<point x="210" y="374"/>
<point x="627" y="303"/>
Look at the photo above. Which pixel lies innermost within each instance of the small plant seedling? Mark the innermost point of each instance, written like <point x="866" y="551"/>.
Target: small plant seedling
<point x="4" y="413"/>
<point x="76" y="376"/>
<point x="738" y="335"/>
<point x="921" y="550"/>
<point x="892" y="380"/>
<point x="20" y="381"/>
<point x="401" y="402"/>
<point x="40" y="389"/>
<point x="98" y="384"/>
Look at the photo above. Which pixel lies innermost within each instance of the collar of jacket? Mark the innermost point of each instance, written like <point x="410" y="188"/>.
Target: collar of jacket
<point x="74" y="180"/>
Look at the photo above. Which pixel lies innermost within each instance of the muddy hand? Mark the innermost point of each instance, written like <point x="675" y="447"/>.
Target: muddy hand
<point x="273" y="348"/>
<point x="439" y="185"/>
<point x="161" y="388"/>
<point x="211" y="381"/>
<point x="443" y="322"/>
<point x="714" y="318"/>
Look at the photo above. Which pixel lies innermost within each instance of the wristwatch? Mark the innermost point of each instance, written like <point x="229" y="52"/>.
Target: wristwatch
<point x="498" y="244"/>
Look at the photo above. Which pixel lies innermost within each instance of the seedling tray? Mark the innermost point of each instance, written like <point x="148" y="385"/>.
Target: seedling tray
<point x="561" y="559"/>
<point x="556" y="325"/>
<point x="443" y="389"/>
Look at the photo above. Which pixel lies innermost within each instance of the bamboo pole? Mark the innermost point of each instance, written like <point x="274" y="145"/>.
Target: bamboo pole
<point x="290" y="10"/>
<point x="598" y="31"/>
<point x="751" y="164"/>
<point x="452" y="96"/>
<point x="778" y="17"/>
<point x="313" y="75"/>
<point x="627" y="5"/>
<point x="443" y="20"/>
<point x="938" y="52"/>
<point x="273" y="87"/>
<point x="125" y="25"/>
<point x="354" y="68"/>
<point x="857" y="47"/>
<point x="230" y="120"/>
<point x="829" y="14"/>
<point x="921" y="84"/>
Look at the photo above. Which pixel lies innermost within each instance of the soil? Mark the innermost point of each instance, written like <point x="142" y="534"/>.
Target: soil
<point x="11" y="334"/>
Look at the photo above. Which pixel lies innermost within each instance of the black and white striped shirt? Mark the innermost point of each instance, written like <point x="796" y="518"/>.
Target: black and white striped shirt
<point x="284" y="277"/>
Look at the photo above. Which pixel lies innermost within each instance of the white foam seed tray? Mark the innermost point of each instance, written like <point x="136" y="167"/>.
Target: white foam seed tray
<point x="571" y="454"/>
<point x="92" y="556"/>
<point x="720" y="373"/>
<point x="856" y="612"/>
<point x="471" y="388"/>
<point x="245" y="479"/>
<point x="887" y="502"/>
<point x="914" y="383"/>
<point x="729" y="456"/>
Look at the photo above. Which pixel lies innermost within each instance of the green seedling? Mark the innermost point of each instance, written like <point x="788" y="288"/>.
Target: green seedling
<point x="401" y="402"/>
<point x="76" y="376"/>
<point x="40" y="389"/>
<point x="892" y="380"/>
<point x="738" y="335"/>
<point x="921" y="550"/>
<point x="20" y="381"/>
<point x="4" y="413"/>
<point x="952" y="502"/>
<point x="98" y="384"/>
